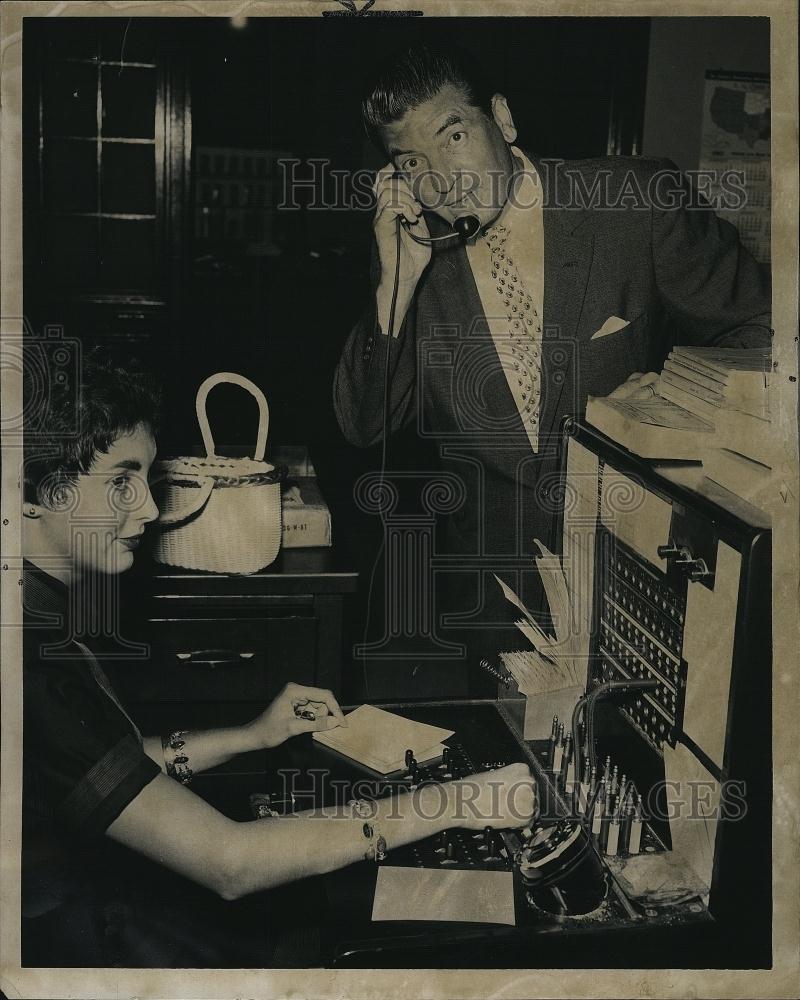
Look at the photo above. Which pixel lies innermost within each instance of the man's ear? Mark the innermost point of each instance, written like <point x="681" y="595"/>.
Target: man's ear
<point x="503" y="118"/>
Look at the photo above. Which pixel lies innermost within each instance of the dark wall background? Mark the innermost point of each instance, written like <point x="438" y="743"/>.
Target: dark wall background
<point x="296" y="85"/>
<point x="293" y="85"/>
<point x="577" y="87"/>
<point x="677" y="64"/>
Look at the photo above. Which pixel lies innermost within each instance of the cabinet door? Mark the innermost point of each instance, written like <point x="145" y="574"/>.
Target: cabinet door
<point x="105" y="160"/>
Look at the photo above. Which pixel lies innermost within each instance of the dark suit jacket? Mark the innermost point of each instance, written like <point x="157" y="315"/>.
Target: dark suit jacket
<point x="678" y="274"/>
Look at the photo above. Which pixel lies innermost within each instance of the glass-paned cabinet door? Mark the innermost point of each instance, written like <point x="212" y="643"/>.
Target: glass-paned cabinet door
<point x="101" y="156"/>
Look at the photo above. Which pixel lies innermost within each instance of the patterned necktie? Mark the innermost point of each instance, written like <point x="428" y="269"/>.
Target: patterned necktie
<point x="524" y="328"/>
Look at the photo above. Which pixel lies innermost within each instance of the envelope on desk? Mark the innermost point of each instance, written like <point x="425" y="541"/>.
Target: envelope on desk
<point x="379" y="739"/>
<point x="612" y="325"/>
<point x="444" y="894"/>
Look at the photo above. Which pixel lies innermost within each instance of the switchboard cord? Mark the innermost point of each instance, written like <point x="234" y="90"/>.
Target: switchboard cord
<point x="587" y="705"/>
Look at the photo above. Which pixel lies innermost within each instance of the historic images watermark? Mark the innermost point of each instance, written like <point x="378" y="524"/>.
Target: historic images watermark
<point x="473" y="797"/>
<point x="315" y="185"/>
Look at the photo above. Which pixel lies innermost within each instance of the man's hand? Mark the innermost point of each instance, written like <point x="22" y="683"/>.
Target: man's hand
<point x="502" y="799"/>
<point x="320" y="711"/>
<point x="395" y="200"/>
<point x="637" y="386"/>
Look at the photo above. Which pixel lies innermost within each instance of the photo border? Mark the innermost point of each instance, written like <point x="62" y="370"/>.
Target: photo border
<point x="784" y="978"/>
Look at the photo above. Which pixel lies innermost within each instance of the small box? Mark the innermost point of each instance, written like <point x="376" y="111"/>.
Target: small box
<point x="531" y="716"/>
<point x="306" y="518"/>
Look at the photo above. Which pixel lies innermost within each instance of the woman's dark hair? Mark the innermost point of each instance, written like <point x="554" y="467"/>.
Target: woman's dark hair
<point x="414" y="75"/>
<point x="69" y="421"/>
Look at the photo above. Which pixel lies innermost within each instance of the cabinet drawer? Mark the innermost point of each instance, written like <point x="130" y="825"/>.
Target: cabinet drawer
<point x="168" y="678"/>
<point x="237" y="633"/>
<point x="221" y="665"/>
<point x="171" y="607"/>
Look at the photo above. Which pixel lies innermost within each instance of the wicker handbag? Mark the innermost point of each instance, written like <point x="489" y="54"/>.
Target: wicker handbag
<point x="217" y="514"/>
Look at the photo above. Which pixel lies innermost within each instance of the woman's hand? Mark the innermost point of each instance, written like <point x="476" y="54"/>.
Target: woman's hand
<point x="320" y="711"/>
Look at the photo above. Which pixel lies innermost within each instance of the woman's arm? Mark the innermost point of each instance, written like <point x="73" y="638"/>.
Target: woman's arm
<point x="209" y="748"/>
<point x="169" y="824"/>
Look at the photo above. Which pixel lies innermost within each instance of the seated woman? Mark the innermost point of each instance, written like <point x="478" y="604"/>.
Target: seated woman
<point x="89" y="775"/>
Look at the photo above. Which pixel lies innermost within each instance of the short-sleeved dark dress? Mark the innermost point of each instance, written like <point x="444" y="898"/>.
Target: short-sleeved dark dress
<point x="86" y="900"/>
<point x="85" y="755"/>
<point x="83" y="763"/>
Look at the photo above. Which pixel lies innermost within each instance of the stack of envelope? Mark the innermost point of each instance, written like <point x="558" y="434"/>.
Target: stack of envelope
<point x="379" y="739"/>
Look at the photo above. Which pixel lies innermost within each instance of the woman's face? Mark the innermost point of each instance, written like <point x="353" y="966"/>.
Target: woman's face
<point x="99" y="523"/>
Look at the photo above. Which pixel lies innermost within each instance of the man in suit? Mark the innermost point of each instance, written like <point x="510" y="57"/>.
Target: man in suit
<point x="580" y="278"/>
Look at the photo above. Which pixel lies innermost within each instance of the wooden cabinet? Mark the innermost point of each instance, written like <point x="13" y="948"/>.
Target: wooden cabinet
<point x="106" y="156"/>
<point x="222" y="646"/>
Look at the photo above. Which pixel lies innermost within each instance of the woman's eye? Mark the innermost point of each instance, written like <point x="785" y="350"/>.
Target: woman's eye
<point x="124" y="487"/>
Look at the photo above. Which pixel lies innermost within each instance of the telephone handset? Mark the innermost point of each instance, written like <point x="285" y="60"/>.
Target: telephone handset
<point x="465" y="228"/>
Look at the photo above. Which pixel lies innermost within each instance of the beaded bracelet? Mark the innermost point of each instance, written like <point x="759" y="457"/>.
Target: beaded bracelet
<point x="177" y="762"/>
<point x="362" y="809"/>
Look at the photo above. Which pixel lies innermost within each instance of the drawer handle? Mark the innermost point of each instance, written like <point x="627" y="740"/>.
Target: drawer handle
<point x="212" y="658"/>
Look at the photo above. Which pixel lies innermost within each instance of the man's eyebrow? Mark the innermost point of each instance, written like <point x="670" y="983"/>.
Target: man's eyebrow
<point x="452" y="119"/>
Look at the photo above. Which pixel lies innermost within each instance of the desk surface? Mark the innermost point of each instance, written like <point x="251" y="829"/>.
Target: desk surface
<point x="606" y="938"/>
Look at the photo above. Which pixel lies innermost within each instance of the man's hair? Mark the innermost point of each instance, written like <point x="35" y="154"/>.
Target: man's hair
<point x="67" y="425"/>
<point x="415" y="75"/>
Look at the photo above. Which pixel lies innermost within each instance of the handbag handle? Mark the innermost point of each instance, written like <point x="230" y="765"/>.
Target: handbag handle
<point x="181" y="512"/>
<point x="252" y="388"/>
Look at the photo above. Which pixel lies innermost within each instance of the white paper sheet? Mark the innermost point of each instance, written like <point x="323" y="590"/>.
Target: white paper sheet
<point x="559" y="653"/>
<point x="708" y="652"/>
<point x="439" y="894"/>
<point x="578" y="542"/>
<point x="555" y="587"/>
<point x="534" y="675"/>
<point x="509" y="595"/>
<point x="694" y="801"/>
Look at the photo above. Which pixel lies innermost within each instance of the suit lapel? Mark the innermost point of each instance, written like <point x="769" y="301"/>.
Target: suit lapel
<point x="568" y="251"/>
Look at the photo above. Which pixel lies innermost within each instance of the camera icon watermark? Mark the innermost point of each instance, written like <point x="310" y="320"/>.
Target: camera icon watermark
<point x="462" y="363"/>
<point x="48" y="367"/>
